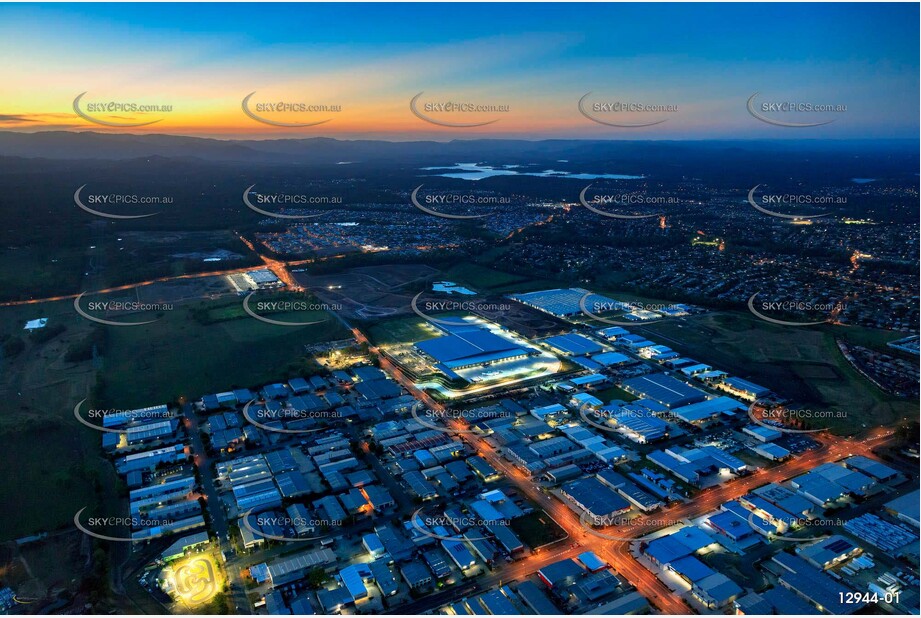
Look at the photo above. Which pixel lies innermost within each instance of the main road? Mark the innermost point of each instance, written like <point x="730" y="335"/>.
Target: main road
<point x="218" y="517"/>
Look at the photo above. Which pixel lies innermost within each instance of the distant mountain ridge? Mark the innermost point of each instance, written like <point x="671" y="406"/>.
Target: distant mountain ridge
<point x="322" y="150"/>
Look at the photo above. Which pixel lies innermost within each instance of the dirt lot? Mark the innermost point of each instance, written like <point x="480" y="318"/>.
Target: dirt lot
<point x="372" y="291"/>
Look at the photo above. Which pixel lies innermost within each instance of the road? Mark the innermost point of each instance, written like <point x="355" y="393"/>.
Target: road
<point x="278" y="267"/>
<point x="218" y="517"/>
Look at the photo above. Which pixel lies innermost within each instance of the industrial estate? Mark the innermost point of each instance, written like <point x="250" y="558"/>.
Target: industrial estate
<point x="470" y="468"/>
<point x="448" y="309"/>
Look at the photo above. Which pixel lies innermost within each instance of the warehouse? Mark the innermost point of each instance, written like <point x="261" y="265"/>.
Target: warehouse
<point x="379" y="498"/>
<point x="496" y="604"/>
<point x="257" y="495"/>
<point x="565" y="302"/>
<point x="695" y="368"/>
<point x="787" y="500"/>
<point x="762" y="433"/>
<point x="182" y="546"/>
<point x="596" y="499"/>
<point x="331" y="509"/>
<point x="561" y="574"/>
<point x="731" y="524"/>
<point x="151" y="431"/>
<point x="831" y="481"/>
<point x="419" y="486"/>
<point x="749" y="391"/>
<point x="613" y="332"/>
<point x="300" y="519"/>
<point x="552" y="410"/>
<point x="436" y="560"/>
<point x="780" y="518"/>
<point x="829" y="552"/>
<point x="685" y="542"/>
<point x="482" y="468"/>
<point x="292" y="568"/>
<point x="506" y="538"/>
<point x="120" y="419"/>
<point x="906" y="508"/>
<point x="553" y="446"/>
<point x="709" y="410"/>
<point x="564" y="473"/>
<point x="607" y="359"/>
<point x="636" y="496"/>
<point x="716" y="590"/>
<point x="573" y="344"/>
<point x="690" y="569"/>
<point x="470" y="346"/>
<point x="459" y="554"/>
<point x="664" y="389"/>
<point x="658" y="351"/>
<point x="416" y="575"/>
<point x="584" y="400"/>
<point x="384" y="578"/>
<point x="535" y="599"/>
<point x="637" y="423"/>
<point x="772" y="452"/>
<point x="164" y="492"/>
<point x="485" y="550"/>
<point x="590" y="380"/>
<point x="876" y="469"/>
<point x="353" y="578"/>
<point x="682" y="469"/>
<point x="816" y="586"/>
<point x="148" y="460"/>
<point x="182" y="525"/>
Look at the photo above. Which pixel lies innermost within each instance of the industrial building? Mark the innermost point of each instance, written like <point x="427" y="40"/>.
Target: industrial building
<point x="816" y="586"/>
<point x="669" y="391"/>
<point x="564" y="303"/>
<point x="708" y="410"/>
<point x="830" y="552"/>
<point x="292" y="568"/>
<point x="573" y="344"/>
<point x="906" y="508"/>
<point x="594" y="498"/>
<point x="743" y="389"/>
<point x="636" y="422"/>
<point x="469" y="346"/>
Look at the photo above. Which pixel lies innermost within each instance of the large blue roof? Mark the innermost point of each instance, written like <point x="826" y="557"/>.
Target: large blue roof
<point x="665" y="389"/>
<point x="468" y="344"/>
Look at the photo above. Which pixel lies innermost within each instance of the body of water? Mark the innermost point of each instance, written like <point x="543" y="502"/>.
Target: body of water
<point x="475" y="171"/>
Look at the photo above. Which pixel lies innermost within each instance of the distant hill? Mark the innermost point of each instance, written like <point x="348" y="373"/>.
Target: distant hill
<point x="320" y="150"/>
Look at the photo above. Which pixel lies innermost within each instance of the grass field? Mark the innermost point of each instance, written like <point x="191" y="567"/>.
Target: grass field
<point x="481" y="277"/>
<point x="401" y="330"/>
<point x="57" y="462"/>
<point x="179" y="357"/>
<point x="803" y="364"/>
<point x="614" y="392"/>
<point x="34" y="273"/>
<point x="52" y="467"/>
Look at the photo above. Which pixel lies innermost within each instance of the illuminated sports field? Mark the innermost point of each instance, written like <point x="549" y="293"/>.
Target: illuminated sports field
<point x="195" y="580"/>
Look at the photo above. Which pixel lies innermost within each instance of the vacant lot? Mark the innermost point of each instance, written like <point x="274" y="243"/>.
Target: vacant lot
<point x="537" y="529"/>
<point x="51" y="465"/>
<point x="178" y="357"/>
<point x="401" y="330"/>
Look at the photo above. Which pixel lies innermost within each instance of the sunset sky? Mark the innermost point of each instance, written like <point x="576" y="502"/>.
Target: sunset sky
<point x="538" y="60"/>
